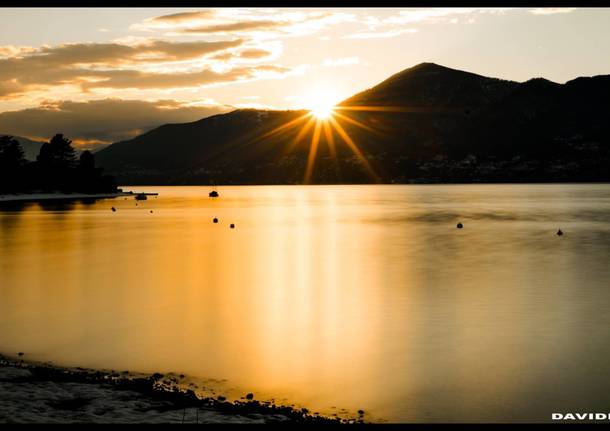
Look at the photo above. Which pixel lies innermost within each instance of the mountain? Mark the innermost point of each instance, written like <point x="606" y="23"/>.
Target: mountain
<point x="431" y="85"/>
<point x="30" y="148"/>
<point x="428" y="123"/>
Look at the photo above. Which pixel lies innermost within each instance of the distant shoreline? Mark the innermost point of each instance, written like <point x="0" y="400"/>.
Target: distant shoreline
<point x="27" y="197"/>
<point x="162" y="184"/>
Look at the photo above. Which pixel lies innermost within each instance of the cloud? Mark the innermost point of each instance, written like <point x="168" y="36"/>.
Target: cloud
<point x="113" y="54"/>
<point x="182" y="16"/>
<point x="429" y="15"/>
<point x="9" y="87"/>
<point x="134" y="79"/>
<point x="236" y="27"/>
<point x="145" y="65"/>
<point x="254" y="53"/>
<point x="380" y="34"/>
<point x="14" y="51"/>
<point x="344" y="61"/>
<point x="551" y="10"/>
<point x="100" y="121"/>
<point x="394" y="25"/>
<point x="260" y="23"/>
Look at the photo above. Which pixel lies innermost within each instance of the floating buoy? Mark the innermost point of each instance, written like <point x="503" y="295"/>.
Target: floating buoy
<point x="113" y="209"/>
<point x="250" y="396"/>
<point x="215" y="220"/>
<point x="20" y="354"/>
<point x="151" y="211"/>
<point x="232" y="226"/>
<point x="559" y="232"/>
<point x="213" y="194"/>
<point x="460" y="225"/>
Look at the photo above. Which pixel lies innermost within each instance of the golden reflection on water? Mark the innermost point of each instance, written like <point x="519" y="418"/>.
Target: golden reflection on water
<point x="328" y="296"/>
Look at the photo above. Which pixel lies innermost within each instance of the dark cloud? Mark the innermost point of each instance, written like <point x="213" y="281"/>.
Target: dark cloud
<point x="245" y="21"/>
<point x="189" y="50"/>
<point x="254" y="53"/>
<point x="183" y="16"/>
<point x="99" y="121"/>
<point x="223" y="56"/>
<point x="118" y="79"/>
<point x="96" y="66"/>
<point x="236" y="27"/>
<point x="113" y="54"/>
<point x="9" y="87"/>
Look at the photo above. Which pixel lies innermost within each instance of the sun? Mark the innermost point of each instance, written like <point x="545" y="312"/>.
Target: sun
<point x="323" y="110"/>
<point x="321" y="102"/>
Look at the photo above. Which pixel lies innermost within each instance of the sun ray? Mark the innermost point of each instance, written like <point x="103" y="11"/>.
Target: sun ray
<point x="313" y="149"/>
<point x="352" y="145"/>
<point x="330" y="139"/>
<point x="404" y="109"/>
<point x="285" y="126"/>
<point x="302" y="132"/>
<point x="354" y="122"/>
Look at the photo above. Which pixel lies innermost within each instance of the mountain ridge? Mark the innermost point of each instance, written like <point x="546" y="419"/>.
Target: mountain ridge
<point x="30" y="147"/>
<point x="426" y="123"/>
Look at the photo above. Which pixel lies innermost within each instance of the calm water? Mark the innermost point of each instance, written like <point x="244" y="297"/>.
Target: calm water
<point x="333" y="297"/>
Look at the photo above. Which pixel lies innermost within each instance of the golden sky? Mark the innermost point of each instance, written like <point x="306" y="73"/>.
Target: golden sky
<point x="104" y="74"/>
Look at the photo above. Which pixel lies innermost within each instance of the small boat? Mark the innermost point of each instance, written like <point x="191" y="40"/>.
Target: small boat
<point x="213" y="194"/>
<point x="141" y="197"/>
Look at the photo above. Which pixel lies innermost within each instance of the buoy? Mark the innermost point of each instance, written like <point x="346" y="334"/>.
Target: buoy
<point x="559" y="232"/>
<point x="113" y="209"/>
<point x="460" y="225"/>
<point x="213" y="194"/>
<point x="215" y="220"/>
<point x="249" y="396"/>
<point x="232" y="226"/>
<point x="151" y="211"/>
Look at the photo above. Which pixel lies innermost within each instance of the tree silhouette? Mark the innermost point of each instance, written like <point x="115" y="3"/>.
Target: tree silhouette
<point x="56" y="169"/>
<point x="11" y="154"/>
<point x="87" y="160"/>
<point x="12" y="164"/>
<point x="57" y="153"/>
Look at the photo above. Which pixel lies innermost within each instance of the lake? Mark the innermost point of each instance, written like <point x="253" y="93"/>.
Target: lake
<point x="337" y="298"/>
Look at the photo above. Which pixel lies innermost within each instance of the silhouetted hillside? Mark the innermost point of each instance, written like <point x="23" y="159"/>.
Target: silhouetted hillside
<point x="431" y="85"/>
<point x="30" y="148"/>
<point x="428" y="123"/>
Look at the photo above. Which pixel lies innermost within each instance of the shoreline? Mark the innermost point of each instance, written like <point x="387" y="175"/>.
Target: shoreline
<point x="30" y="197"/>
<point x="35" y="392"/>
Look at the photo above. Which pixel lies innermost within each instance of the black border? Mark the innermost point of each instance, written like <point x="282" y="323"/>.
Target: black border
<point x="301" y="3"/>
